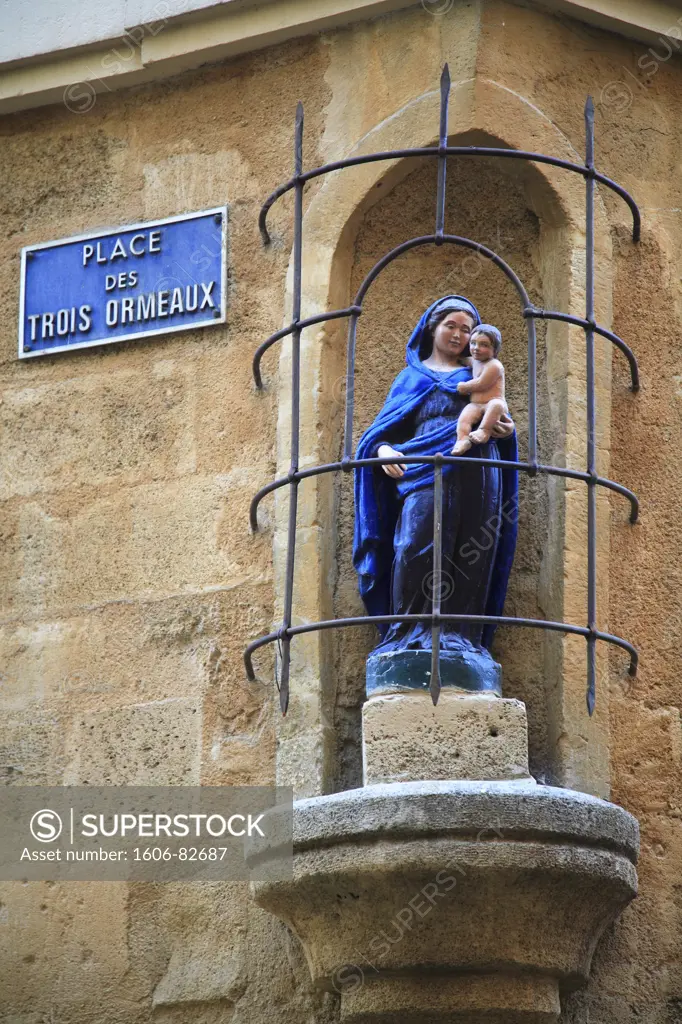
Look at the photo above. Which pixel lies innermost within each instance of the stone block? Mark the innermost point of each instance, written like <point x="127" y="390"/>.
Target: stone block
<point x="205" y="926"/>
<point x="247" y="436"/>
<point x="155" y="744"/>
<point x="31" y="746"/>
<point x="175" y="537"/>
<point x="124" y="425"/>
<point x="405" y="738"/>
<point x="64" y="944"/>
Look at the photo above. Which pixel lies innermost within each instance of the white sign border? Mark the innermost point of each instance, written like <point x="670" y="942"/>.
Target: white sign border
<point x="137" y="334"/>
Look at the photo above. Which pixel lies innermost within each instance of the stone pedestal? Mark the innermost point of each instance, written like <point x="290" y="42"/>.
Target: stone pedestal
<point x="452" y="889"/>
<point x="405" y="738"/>
<point x="461" y="901"/>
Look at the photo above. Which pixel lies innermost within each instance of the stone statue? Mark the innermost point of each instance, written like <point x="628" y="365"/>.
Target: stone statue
<point x="393" y="543"/>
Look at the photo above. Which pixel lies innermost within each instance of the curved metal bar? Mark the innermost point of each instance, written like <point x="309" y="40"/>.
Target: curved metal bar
<point x="257" y="498"/>
<point x="610" y="638"/>
<point x="625" y="195"/>
<point x="466" y="243"/>
<point x="544" y="314"/>
<point x="439" y="239"/>
<point x="500" y="620"/>
<point x="524" y="467"/>
<point x="296" y="325"/>
<point x="531" y="311"/>
<point x="435" y="151"/>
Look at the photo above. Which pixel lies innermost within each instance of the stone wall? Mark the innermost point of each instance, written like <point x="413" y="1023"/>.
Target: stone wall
<point x="129" y="580"/>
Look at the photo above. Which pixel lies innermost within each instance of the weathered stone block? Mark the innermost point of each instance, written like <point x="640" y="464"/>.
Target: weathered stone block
<point x="405" y="738"/>
<point x="155" y="744"/>
<point x="151" y="540"/>
<point x="125" y="425"/>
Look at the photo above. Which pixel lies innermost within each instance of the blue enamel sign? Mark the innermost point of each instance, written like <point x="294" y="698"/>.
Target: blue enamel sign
<point x="141" y="280"/>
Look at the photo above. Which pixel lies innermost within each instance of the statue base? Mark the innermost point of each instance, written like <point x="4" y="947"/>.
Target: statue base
<point x="469" y="671"/>
<point x="467" y="736"/>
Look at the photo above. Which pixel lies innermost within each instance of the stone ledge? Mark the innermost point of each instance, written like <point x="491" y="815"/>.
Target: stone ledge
<point x="503" y="1000"/>
<point x="171" y="46"/>
<point x="517" y="809"/>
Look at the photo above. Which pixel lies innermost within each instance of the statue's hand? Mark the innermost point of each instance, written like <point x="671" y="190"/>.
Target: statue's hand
<point x="504" y="426"/>
<point x="393" y="470"/>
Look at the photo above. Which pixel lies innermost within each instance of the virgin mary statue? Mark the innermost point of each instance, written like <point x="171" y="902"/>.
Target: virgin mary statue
<point x="393" y="542"/>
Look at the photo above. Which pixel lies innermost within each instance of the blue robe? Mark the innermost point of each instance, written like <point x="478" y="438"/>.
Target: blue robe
<point x="393" y="541"/>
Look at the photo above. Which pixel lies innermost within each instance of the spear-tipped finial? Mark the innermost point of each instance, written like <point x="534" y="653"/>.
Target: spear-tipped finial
<point x="284" y="681"/>
<point x="442" y="143"/>
<point x="589" y="136"/>
<point x="298" y="139"/>
<point x="435" y="684"/>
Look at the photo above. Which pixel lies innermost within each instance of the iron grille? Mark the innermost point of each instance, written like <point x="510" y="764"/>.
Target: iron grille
<point x="532" y="467"/>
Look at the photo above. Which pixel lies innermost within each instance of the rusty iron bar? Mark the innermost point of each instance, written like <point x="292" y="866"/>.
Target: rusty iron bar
<point x="434" y="151"/>
<point x="295" y="415"/>
<point x="523" y="467"/>
<point x="544" y="314"/>
<point x="532" y="311"/>
<point x="532" y="393"/>
<point x="350" y="385"/>
<point x="591" y="413"/>
<point x="442" y="153"/>
<point x="499" y="620"/>
<point x="437" y="576"/>
<point x="300" y="325"/>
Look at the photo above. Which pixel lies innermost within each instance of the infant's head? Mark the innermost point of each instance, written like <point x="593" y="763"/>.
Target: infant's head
<point x="485" y="342"/>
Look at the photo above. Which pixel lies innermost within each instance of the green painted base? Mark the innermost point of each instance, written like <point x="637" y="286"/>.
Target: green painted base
<point x="471" y="671"/>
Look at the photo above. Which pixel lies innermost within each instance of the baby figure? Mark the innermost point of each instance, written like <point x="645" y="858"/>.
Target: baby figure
<point x="486" y="389"/>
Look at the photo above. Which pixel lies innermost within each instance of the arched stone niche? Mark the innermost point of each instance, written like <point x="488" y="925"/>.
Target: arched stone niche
<point x="533" y="215"/>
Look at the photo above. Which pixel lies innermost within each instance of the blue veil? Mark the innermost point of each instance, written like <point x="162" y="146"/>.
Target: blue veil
<point x="377" y="496"/>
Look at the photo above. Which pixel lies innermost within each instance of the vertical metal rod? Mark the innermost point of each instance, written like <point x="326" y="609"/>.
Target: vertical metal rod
<point x="437" y="576"/>
<point x="350" y="386"/>
<point x="591" y="414"/>
<point x="442" y="159"/>
<point x="532" y="393"/>
<point x="295" y="410"/>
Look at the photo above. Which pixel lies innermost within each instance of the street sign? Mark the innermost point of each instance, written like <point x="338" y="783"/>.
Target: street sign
<point x="135" y="282"/>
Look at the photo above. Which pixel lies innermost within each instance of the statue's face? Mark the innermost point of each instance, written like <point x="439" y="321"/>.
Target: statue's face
<point x="482" y="348"/>
<point x="451" y="336"/>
